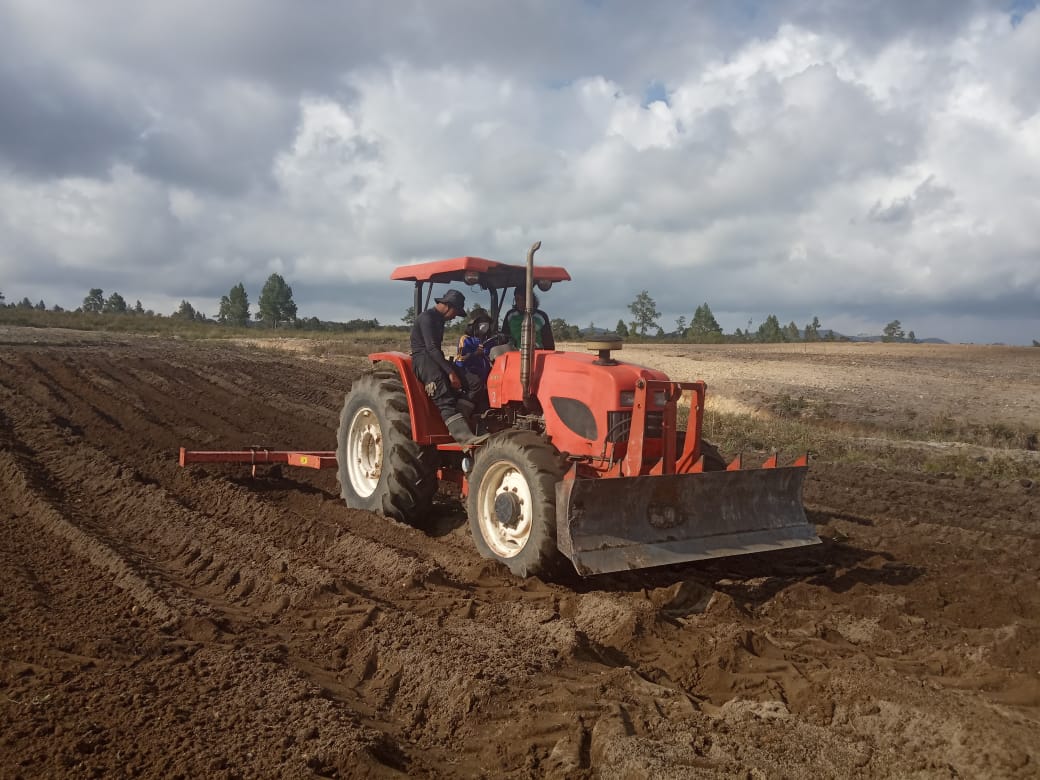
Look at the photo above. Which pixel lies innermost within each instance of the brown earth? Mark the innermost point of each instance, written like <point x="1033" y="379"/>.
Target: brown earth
<point x="166" y="622"/>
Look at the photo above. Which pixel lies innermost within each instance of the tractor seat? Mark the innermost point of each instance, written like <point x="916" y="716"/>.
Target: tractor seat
<point x="501" y="349"/>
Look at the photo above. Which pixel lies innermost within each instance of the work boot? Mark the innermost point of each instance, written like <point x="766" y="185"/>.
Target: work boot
<point x="459" y="429"/>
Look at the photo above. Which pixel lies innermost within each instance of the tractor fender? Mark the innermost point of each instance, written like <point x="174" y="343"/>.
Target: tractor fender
<point x="427" y="425"/>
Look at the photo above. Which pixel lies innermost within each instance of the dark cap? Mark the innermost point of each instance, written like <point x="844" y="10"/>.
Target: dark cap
<point x="455" y="300"/>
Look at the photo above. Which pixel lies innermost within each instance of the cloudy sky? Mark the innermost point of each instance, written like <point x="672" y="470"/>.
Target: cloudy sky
<point x="859" y="162"/>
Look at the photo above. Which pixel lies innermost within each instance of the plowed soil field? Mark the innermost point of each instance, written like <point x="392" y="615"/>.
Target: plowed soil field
<point x="165" y="622"/>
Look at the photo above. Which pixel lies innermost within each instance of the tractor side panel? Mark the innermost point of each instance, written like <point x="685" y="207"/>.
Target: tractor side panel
<point x="576" y="395"/>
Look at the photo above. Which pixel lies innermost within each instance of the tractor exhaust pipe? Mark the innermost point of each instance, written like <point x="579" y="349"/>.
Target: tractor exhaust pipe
<point x="527" y="328"/>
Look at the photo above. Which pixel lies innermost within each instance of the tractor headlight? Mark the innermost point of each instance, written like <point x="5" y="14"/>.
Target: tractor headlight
<point x="658" y="398"/>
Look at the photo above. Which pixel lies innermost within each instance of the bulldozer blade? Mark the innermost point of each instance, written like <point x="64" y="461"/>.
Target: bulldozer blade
<point x="606" y="525"/>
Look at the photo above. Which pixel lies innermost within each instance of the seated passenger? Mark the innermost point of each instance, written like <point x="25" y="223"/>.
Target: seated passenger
<point x="472" y="362"/>
<point x="512" y="323"/>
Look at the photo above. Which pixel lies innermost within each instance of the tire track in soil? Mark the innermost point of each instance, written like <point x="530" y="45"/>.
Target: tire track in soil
<point x="428" y="659"/>
<point x="169" y="713"/>
<point x="93" y="468"/>
<point x="105" y="477"/>
<point x="107" y="394"/>
<point x="401" y="685"/>
<point x="25" y="487"/>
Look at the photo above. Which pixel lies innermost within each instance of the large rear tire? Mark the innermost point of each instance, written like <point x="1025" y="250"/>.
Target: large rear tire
<point x="512" y="502"/>
<point x="380" y="467"/>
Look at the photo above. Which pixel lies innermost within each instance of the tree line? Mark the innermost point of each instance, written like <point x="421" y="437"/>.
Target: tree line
<point x="275" y="308"/>
<point x="703" y="328"/>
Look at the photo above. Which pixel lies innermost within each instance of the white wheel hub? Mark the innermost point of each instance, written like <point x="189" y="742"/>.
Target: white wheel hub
<point x="364" y="452"/>
<point x="505" y="511"/>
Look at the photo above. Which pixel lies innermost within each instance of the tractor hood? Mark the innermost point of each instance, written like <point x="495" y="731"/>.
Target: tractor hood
<point x="585" y="401"/>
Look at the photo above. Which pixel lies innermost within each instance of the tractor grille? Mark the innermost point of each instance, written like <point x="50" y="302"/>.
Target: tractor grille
<point x="619" y="424"/>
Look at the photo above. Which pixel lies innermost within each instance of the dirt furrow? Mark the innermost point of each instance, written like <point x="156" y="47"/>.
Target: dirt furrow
<point x="303" y="638"/>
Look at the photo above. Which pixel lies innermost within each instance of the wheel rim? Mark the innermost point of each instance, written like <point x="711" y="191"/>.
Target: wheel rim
<point x="505" y="539"/>
<point x="364" y="452"/>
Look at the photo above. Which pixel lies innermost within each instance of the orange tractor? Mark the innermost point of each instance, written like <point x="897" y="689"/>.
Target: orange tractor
<point x="581" y="457"/>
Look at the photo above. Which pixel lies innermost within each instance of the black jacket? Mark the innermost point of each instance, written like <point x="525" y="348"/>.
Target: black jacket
<point x="427" y="336"/>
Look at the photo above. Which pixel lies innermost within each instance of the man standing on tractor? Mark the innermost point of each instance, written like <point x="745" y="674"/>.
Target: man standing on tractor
<point x="435" y="371"/>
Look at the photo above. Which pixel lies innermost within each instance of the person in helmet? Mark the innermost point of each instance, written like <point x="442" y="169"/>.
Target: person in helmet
<point x="436" y="373"/>
<point x="473" y="362"/>
<point x="512" y="323"/>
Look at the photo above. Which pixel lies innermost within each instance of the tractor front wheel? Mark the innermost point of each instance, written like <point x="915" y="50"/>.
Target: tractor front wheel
<point x="380" y="467"/>
<point x="713" y="460"/>
<point x="512" y="502"/>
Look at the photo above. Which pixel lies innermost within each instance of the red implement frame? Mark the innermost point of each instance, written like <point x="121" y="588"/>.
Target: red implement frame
<point x="258" y="456"/>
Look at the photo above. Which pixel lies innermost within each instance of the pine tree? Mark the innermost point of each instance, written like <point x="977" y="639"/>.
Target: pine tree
<point x="645" y="312"/>
<point x="769" y="332"/>
<point x="893" y="331"/>
<point x="621" y="329"/>
<point x="115" y="304"/>
<point x="95" y="300"/>
<point x="184" y="312"/>
<point x="564" y="331"/>
<point x="276" y="304"/>
<point x="704" y="327"/>
<point x="234" y="307"/>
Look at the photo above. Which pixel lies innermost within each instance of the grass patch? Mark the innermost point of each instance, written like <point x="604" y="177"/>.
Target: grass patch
<point x="993" y="452"/>
<point x="175" y="327"/>
<point x="356" y="344"/>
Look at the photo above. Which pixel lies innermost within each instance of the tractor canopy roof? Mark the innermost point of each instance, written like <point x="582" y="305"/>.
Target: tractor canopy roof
<point x="489" y="274"/>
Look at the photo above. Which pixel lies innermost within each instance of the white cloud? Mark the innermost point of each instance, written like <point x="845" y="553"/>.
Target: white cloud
<point x="860" y="165"/>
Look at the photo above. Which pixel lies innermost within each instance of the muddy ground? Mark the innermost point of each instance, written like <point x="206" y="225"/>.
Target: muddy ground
<point x="165" y="622"/>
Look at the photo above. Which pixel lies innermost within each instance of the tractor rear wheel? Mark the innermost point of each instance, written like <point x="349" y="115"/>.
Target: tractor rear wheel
<point x="512" y="502"/>
<point x="380" y="467"/>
